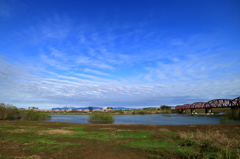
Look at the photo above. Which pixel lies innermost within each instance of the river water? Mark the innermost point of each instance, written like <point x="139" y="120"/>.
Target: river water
<point x="158" y="119"/>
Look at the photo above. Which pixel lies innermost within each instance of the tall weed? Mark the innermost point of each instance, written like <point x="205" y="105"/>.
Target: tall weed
<point x="212" y="143"/>
<point x="32" y="115"/>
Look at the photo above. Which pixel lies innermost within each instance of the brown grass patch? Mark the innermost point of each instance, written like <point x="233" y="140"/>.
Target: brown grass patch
<point x="216" y="136"/>
<point x="57" y="131"/>
<point x="19" y="130"/>
<point x="107" y="128"/>
<point x="163" y="129"/>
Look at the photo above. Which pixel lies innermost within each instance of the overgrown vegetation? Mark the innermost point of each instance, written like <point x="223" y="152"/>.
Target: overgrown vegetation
<point x="200" y="144"/>
<point x="101" y="118"/>
<point x="10" y="112"/>
<point x="68" y="140"/>
<point x="229" y="117"/>
<point x="32" y="115"/>
<point x="163" y="107"/>
<point x="211" y="144"/>
<point x="226" y="119"/>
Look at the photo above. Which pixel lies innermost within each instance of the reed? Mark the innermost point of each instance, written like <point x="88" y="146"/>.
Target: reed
<point x="213" y="141"/>
<point x="101" y="118"/>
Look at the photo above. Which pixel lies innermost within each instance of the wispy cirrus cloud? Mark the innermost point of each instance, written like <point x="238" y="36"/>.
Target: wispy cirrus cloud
<point x="194" y="68"/>
<point x="58" y="60"/>
<point x="55" y="89"/>
<point x="96" y="72"/>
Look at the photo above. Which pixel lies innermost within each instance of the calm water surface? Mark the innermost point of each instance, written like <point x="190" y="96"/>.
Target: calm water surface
<point x="158" y="119"/>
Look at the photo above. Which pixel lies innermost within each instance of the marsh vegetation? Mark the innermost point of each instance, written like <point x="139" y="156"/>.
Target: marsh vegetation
<point x="32" y="115"/>
<point x="101" y="118"/>
<point x="10" y="112"/>
<point x="23" y="139"/>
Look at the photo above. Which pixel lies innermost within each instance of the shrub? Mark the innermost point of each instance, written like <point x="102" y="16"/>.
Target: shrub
<point x="188" y="142"/>
<point x="165" y="107"/>
<point x="213" y="144"/>
<point x="8" y="112"/>
<point x="226" y="119"/>
<point x="119" y="111"/>
<point x="32" y="115"/>
<point x="233" y="115"/>
<point x="101" y="118"/>
<point x="142" y="112"/>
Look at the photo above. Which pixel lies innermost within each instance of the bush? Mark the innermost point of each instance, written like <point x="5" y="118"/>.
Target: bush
<point x="142" y="112"/>
<point x="8" y="112"/>
<point x="101" y="118"/>
<point x="32" y="115"/>
<point x="233" y="115"/>
<point x="163" y="107"/>
<point x="225" y="120"/>
<point x="188" y="142"/>
<point x="212" y="144"/>
<point x="118" y="111"/>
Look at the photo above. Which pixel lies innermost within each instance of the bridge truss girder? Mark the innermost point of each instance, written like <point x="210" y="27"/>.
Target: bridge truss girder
<point x="218" y="103"/>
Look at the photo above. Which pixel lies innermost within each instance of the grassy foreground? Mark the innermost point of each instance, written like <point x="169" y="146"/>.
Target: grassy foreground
<point x="37" y="139"/>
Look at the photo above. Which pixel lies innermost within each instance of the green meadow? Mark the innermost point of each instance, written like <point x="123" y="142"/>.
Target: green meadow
<point x="36" y="139"/>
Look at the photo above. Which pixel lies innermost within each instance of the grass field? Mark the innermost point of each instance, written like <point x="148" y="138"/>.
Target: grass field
<point x="37" y="139"/>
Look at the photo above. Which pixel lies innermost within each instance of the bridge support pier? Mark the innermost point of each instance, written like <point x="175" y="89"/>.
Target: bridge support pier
<point x="193" y="111"/>
<point x="182" y="111"/>
<point x="208" y="110"/>
<point x="235" y="112"/>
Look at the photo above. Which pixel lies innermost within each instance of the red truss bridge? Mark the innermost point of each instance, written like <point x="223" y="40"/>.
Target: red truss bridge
<point x="234" y="104"/>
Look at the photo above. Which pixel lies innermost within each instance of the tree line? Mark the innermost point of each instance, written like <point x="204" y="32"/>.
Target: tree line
<point x="10" y="112"/>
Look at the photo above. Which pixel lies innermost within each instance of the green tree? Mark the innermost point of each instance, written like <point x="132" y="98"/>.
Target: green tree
<point x="90" y="109"/>
<point x="32" y="115"/>
<point x="8" y="112"/>
<point x="163" y="107"/>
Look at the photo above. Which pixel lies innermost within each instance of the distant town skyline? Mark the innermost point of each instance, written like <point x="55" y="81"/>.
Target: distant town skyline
<point x="104" y="53"/>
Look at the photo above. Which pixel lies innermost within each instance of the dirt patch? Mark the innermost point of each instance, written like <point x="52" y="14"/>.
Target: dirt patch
<point x="57" y="131"/>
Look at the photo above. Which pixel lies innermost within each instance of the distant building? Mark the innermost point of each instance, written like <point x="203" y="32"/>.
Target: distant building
<point x="32" y="108"/>
<point x="107" y="108"/>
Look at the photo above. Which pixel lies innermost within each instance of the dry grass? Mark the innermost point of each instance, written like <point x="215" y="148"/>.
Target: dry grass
<point x="215" y="139"/>
<point x="29" y="157"/>
<point x="57" y="131"/>
<point x="163" y="129"/>
<point x="19" y="130"/>
<point x="218" y="138"/>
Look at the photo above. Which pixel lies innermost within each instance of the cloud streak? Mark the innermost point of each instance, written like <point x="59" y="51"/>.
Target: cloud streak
<point x="57" y="59"/>
<point x="66" y="90"/>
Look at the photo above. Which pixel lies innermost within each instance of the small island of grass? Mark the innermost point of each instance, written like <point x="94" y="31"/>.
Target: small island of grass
<point x="101" y="118"/>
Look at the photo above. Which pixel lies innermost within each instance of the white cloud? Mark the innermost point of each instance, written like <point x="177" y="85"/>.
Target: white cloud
<point x="96" y="72"/>
<point x="95" y="78"/>
<point x="153" y="70"/>
<point x="56" y="53"/>
<point x="61" y="90"/>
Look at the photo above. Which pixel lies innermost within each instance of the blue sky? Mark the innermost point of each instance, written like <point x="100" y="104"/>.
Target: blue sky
<point x="131" y="53"/>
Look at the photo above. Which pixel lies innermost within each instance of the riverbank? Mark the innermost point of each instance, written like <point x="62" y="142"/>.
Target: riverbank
<point x="38" y="139"/>
<point x="130" y="112"/>
<point x="114" y="112"/>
